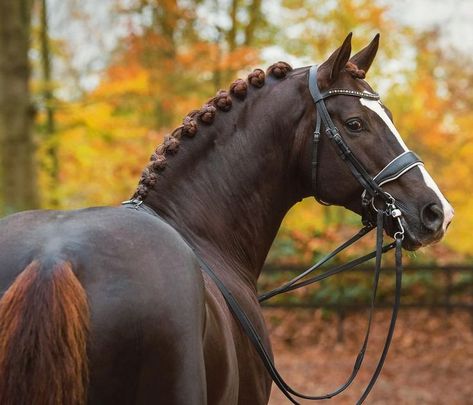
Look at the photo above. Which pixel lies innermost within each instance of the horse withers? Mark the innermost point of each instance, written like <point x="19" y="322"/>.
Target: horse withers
<point x="109" y="305"/>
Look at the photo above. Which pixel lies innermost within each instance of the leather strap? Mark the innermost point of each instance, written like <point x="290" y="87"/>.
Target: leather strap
<point x="288" y="286"/>
<point x="380" y="249"/>
<point x="392" y="324"/>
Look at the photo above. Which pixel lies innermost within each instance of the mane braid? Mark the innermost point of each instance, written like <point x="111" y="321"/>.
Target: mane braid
<point x="354" y="71"/>
<point x="205" y="115"/>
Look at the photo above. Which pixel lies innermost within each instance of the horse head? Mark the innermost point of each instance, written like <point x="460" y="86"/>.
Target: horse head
<point x="365" y="124"/>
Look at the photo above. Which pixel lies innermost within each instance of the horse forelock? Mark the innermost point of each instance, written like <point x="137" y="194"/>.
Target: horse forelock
<point x="223" y="102"/>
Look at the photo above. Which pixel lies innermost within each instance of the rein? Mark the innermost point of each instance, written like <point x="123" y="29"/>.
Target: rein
<point x="372" y="190"/>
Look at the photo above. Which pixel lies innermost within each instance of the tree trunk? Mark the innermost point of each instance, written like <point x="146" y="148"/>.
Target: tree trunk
<point x="254" y="12"/>
<point x="17" y="168"/>
<point x="48" y="99"/>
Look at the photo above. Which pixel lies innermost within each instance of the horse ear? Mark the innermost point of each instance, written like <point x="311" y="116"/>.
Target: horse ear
<point x="337" y="61"/>
<point x="365" y="57"/>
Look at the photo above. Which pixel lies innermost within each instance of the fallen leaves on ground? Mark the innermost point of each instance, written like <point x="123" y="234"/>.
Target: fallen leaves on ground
<point x="430" y="360"/>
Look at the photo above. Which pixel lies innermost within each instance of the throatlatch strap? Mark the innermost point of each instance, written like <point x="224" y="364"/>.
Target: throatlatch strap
<point x="315" y="158"/>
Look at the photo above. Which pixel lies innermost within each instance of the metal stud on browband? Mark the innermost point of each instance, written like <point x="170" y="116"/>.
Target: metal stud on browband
<point x="354" y="93"/>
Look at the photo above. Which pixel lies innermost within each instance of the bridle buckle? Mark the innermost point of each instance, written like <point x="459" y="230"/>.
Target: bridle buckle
<point x="396" y="213"/>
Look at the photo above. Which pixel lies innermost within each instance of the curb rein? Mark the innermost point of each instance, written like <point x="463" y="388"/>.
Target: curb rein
<point x="372" y="190"/>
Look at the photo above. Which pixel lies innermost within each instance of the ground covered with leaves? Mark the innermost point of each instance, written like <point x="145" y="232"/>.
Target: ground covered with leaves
<point x="430" y="360"/>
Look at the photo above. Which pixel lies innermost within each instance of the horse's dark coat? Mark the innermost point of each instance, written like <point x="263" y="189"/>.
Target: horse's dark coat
<point x="160" y="331"/>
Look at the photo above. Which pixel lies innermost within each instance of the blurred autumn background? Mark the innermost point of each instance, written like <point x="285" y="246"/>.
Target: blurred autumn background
<point x="89" y="88"/>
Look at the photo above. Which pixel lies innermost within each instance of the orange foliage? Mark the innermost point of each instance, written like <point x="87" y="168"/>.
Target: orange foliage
<point x="161" y="72"/>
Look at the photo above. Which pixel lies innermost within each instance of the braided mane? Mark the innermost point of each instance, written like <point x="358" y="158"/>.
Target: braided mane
<point x="355" y="72"/>
<point x="206" y="115"/>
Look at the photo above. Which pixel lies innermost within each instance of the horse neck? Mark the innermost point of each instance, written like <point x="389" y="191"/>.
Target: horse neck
<point x="228" y="188"/>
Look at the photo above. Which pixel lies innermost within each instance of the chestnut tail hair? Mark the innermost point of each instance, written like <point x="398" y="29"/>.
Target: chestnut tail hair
<point x="44" y="320"/>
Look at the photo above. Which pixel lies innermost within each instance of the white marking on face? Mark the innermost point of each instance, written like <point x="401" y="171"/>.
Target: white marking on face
<point x="377" y="107"/>
<point x="448" y="211"/>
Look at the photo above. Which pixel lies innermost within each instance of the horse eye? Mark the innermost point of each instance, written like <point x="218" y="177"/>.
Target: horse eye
<point x="354" y="125"/>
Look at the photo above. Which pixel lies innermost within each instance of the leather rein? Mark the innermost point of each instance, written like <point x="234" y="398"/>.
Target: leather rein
<point x="372" y="191"/>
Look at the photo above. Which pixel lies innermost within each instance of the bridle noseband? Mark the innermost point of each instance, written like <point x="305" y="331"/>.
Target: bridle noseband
<point x="372" y="190"/>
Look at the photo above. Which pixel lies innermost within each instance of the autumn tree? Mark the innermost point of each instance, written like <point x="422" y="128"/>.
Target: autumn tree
<point x="432" y="107"/>
<point x="176" y="54"/>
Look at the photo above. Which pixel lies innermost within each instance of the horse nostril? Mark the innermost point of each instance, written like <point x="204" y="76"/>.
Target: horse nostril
<point x="432" y="217"/>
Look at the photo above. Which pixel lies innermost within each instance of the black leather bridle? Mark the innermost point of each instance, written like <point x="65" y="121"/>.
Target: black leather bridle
<point x="372" y="191"/>
<point x="371" y="185"/>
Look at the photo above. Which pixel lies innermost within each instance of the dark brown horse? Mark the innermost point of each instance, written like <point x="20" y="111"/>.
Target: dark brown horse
<point x="109" y="305"/>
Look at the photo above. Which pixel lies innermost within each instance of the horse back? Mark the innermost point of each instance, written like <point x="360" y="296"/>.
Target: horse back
<point x="145" y="293"/>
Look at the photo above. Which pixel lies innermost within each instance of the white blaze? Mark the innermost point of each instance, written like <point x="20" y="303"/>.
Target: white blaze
<point x="376" y="106"/>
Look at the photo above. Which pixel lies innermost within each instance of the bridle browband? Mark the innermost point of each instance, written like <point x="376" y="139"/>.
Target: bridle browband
<point x="372" y="190"/>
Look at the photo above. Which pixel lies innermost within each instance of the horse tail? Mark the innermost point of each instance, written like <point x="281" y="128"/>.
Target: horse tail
<point x="44" y="320"/>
